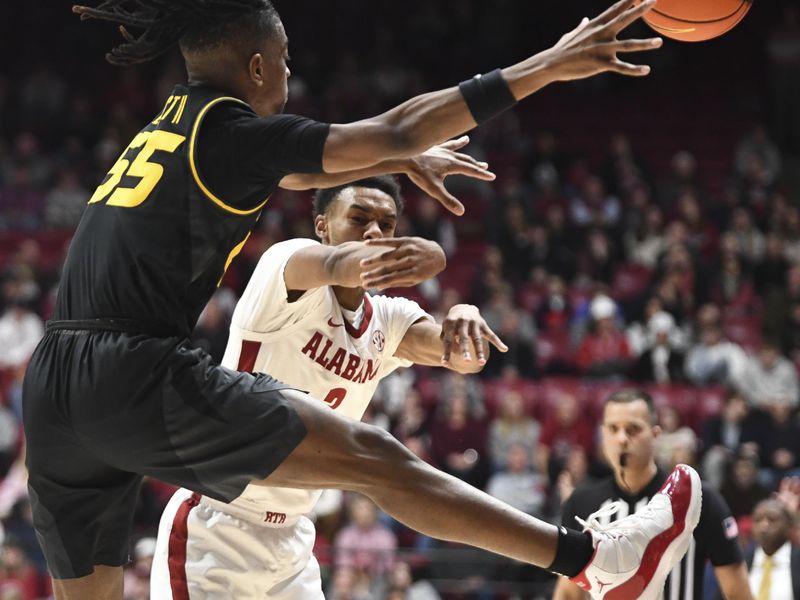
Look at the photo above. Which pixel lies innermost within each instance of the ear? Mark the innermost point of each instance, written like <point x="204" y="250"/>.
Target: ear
<point x="256" y="69"/>
<point x="321" y="227"/>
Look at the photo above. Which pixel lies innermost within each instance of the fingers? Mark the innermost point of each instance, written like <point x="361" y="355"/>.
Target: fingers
<point x="491" y="337"/>
<point x="447" y="342"/>
<point x="473" y="171"/>
<point x="477" y="341"/>
<point x="456" y="144"/>
<point x="627" y="17"/>
<point x="399" y="278"/>
<point x="446" y="199"/>
<point x="625" y="68"/>
<point x="636" y="45"/>
<point x="570" y="35"/>
<point x="613" y="11"/>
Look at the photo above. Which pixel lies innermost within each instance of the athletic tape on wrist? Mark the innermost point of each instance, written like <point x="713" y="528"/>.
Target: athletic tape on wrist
<point x="487" y="95"/>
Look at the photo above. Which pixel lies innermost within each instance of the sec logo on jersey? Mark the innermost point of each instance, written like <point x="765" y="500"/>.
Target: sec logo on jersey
<point x="379" y="340"/>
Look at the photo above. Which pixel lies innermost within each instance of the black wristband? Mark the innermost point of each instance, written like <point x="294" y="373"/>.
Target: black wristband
<point x="487" y="95"/>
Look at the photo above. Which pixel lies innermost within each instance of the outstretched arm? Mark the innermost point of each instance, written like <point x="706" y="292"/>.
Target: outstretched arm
<point x="389" y="262"/>
<point x="460" y="343"/>
<point x="428" y="171"/>
<point x="431" y="118"/>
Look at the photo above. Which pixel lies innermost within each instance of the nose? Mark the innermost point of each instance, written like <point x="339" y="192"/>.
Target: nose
<point x="373" y="231"/>
<point x="288" y="73"/>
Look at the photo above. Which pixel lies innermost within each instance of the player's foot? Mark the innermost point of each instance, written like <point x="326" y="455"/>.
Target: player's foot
<point x="634" y="555"/>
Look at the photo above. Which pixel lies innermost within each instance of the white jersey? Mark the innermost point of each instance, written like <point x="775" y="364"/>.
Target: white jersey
<point x="336" y="355"/>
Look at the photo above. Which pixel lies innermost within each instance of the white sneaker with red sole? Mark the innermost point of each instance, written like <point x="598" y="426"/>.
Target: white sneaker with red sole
<point x="633" y="556"/>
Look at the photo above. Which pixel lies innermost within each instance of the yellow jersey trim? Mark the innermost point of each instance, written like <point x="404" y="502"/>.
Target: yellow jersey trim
<point x="193" y="166"/>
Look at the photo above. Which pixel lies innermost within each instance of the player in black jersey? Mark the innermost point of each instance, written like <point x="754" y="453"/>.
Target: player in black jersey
<point x="629" y="434"/>
<point x="114" y="391"/>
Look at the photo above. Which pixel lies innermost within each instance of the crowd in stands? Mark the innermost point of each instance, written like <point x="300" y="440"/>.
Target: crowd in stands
<point x="675" y="268"/>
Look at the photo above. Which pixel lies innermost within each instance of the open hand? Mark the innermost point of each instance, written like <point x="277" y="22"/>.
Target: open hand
<point x="463" y="331"/>
<point x="429" y="169"/>
<point x="592" y="47"/>
<point x="406" y="262"/>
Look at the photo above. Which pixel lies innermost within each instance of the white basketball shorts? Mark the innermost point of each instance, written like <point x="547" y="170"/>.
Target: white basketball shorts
<point x="206" y="554"/>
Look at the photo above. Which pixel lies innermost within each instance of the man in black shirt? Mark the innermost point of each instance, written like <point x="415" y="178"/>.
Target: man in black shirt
<point x="114" y="391"/>
<point x="629" y="434"/>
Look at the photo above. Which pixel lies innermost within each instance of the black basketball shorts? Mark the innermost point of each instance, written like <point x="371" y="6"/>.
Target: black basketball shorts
<point x="103" y="408"/>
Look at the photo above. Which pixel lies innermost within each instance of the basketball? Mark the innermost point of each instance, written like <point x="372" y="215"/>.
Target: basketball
<point x="696" y="20"/>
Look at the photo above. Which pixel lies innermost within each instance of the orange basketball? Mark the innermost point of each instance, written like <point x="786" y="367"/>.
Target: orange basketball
<point x="696" y="20"/>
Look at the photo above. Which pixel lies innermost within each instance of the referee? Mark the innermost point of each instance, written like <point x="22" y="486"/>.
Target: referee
<point x="629" y="433"/>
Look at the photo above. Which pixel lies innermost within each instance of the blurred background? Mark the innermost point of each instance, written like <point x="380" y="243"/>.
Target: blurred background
<point x="642" y="231"/>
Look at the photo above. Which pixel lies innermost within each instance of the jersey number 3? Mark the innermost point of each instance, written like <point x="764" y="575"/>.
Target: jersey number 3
<point x="149" y="173"/>
<point x="335" y="397"/>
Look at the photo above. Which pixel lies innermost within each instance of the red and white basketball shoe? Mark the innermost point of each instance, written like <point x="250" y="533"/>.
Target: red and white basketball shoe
<point x="633" y="556"/>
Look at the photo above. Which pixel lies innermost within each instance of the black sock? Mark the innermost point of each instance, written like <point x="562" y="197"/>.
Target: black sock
<point x="573" y="553"/>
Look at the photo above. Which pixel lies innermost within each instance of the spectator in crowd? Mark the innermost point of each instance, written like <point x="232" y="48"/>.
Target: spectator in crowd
<point x="741" y="488"/>
<point x="412" y="422"/>
<point x="749" y="241"/>
<point x="516" y="328"/>
<point x="511" y="427"/>
<point x="402" y="585"/>
<point x="17" y="573"/>
<point x="683" y="175"/>
<point x="565" y="429"/>
<point x="603" y="351"/>
<point x="770" y="273"/>
<point x="518" y="485"/>
<point x="732" y="286"/>
<point x="365" y="543"/>
<point x="645" y="243"/>
<point x="20" y="329"/>
<point x="724" y="434"/>
<point x="774" y="562"/>
<point x="428" y="222"/>
<point x="714" y="359"/>
<point x="756" y="143"/>
<point x="458" y="440"/>
<point x="677" y="442"/>
<point x="555" y="311"/>
<point x="593" y="206"/>
<point x="661" y="362"/>
<point x="780" y="437"/>
<point x="65" y="202"/>
<point x="770" y="378"/>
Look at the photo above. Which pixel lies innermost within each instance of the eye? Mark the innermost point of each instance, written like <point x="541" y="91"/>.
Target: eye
<point x="386" y="226"/>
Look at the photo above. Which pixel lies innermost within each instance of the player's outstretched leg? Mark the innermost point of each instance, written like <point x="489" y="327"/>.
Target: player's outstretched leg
<point x="634" y="555"/>
<point x="350" y="455"/>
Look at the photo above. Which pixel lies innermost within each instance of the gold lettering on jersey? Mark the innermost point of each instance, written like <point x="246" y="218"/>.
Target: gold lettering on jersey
<point x="145" y="144"/>
<point x="357" y="369"/>
<point x="172" y="103"/>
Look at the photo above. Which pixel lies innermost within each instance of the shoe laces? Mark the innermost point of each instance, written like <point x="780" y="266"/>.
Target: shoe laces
<point x="636" y="522"/>
<point x="594" y="523"/>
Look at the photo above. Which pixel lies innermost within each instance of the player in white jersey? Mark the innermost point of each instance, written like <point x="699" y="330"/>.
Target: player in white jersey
<point x="321" y="333"/>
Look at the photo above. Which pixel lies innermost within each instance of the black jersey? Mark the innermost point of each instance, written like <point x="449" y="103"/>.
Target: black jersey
<point x="715" y="539"/>
<point x="177" y="206"/>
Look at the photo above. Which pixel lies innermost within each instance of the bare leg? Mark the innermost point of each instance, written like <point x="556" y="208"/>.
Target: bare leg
<point x="340" y="453"/>
<point x="104" y="584"/>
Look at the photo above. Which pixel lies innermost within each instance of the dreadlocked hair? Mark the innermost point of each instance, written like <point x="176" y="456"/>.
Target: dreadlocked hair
<point x="195" y="24"/>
